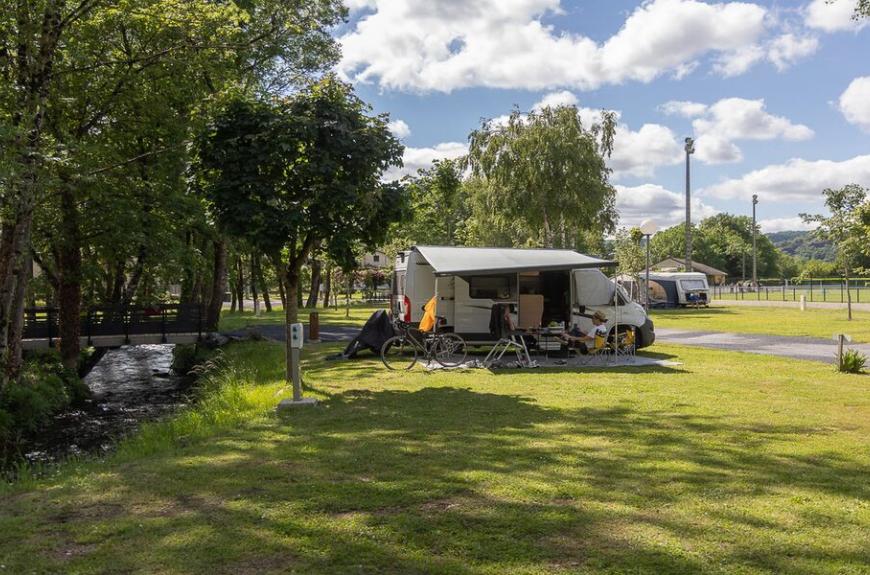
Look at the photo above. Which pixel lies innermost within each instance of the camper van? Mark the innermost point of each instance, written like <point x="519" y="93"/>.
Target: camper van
<point x="678" y="289"/>
<point x="542" y="287"/>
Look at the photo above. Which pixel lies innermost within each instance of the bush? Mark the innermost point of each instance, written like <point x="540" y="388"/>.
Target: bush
<point x="46" y="387"/>
<point x="185" y="358"/>
<point x="853" y="362"/>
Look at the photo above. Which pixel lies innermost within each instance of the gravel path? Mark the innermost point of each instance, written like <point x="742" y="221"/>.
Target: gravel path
<point x="796" y="347"/>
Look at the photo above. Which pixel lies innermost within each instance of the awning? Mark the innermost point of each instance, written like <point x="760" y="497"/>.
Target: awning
<point x="455" y="261"/>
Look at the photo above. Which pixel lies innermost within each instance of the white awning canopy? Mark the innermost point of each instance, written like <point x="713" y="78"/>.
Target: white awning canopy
<point x="455" y="261"/>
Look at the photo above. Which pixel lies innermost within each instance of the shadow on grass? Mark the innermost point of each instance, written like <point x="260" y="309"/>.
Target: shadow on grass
<point x="449" y="480"/>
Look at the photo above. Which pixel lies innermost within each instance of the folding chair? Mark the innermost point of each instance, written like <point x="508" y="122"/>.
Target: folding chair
<point x="626" y="345"/>
<point x="600" y="348"/>
<point x="509" y="339"/>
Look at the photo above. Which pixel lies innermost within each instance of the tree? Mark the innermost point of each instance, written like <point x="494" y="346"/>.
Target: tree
<point x="546" y="172"/>
<point x="842" y="227"/>
<point x="297" y="173"/>
<point x="82" y="85"/>
<point x="629" y="252"/>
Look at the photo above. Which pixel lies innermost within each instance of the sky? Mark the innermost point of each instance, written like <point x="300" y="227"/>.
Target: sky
<point x="776" y="94"/>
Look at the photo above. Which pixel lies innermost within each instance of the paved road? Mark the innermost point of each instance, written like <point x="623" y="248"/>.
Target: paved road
<point x="796" y="347"/>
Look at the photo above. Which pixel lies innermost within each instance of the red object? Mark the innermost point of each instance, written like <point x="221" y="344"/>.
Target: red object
<point x="407" y="303"/>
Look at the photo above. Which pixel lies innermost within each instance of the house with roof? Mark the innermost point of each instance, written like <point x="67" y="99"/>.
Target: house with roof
<point x="672" y="264"/>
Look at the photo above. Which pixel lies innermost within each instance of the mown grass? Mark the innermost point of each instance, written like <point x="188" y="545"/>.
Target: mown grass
<point x="359" y="313"/>
<point x="818" y="323"/>
<point x="730" y="463"/>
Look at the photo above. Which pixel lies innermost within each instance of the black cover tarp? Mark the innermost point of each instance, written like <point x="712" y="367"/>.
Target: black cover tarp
<point x="377" y="330"/>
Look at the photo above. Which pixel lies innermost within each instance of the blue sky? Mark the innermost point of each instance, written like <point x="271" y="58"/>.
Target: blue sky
<point x="776" y="93"/>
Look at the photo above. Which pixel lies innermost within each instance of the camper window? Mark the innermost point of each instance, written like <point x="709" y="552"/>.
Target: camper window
<point x="692" y="284"/>
<point x="491" y="287"/>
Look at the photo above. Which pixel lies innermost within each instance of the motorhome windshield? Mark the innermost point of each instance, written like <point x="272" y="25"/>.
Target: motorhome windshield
<point x="693" y="284"/>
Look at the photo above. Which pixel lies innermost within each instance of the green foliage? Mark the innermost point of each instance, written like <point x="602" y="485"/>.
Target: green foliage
<point x="439" y="208"/>
<point x="818" y="269"/>
<point x="45" y="388"/>
<point x="629" y="251"/>
<point x="723" y="241"/>
<point x="545" y="174"/>
<point x="186" y="357"/>
<point x="804" y="245"/>
<point x="853" y="361"/>
<point x="292" y="174"/>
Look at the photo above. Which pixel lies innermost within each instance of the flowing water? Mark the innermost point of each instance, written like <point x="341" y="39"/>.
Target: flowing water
<point x="129" y="385"/>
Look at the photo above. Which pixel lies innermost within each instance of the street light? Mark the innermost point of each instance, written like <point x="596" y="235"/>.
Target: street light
<point x="690" y="149"/>
<point x="647" y="228"/>
<point x="754" y="253"/>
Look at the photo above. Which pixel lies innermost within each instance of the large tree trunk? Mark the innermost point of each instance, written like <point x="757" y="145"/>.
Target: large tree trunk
<point x="218" y="286"/>
<point x="254" y="295"/>
<point x="69" y="267"/>
<point x="316" y="278"/>
<point x="264" y="287"/>
<point x="240" y="283"/>
<point x="327" y="286"/>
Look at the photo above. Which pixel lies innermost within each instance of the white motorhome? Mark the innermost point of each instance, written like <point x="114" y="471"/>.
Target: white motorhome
<point x="541" y="287"/>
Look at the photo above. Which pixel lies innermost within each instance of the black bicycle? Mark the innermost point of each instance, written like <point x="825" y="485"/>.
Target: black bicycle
<point x="400" y="352"/>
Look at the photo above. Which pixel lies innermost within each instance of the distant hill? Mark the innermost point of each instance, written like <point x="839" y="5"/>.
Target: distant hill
<point x="803" y="245"/>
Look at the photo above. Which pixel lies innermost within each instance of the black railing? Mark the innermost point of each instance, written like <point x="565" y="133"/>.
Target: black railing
<point x="163" y="320"/>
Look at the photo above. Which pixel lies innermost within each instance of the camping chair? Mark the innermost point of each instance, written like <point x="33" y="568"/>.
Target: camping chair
<point x="626" y="345"/>
<point x="509" y="339"/>
<point x="600" y="348"/>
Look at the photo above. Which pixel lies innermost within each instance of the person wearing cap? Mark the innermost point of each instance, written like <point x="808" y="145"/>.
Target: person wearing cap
<point x="578" y="339"/>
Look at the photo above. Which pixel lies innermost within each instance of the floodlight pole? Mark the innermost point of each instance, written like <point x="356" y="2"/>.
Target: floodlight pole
<point x="754" y="252"/>
<point x="690" y="149"/>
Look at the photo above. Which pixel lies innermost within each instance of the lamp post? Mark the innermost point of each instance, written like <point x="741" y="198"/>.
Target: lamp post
<point x="690" y="149"/>
<point x="754" y="253"/>
<point x="647" y="228"/>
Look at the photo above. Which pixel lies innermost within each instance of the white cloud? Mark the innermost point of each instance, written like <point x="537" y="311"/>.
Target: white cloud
<point x="733" y="119"/>
<point x="399" y="128"/>
<point x="639" y="153"/>
<point x="739" y="61"/>
<point x="556" y="99"/>
<point x="855" y="102"/>
<point x="789" y="48"/>
<point x="683" y="108"/>
<point x="421" y="158"/>
<point x="784" y="225"/>
<point x="833" y="16"/>
<point x="423" y="45"/>
<point x="651" y="201"/>
<point x="796" y="180"/>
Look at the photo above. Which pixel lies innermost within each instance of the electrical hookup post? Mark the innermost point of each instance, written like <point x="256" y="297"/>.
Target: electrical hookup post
<point x="297" y="336"/>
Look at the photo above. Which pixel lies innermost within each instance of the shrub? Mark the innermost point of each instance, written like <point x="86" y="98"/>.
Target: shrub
<point x="185" y="358"/>
<point x="46" y="387"/>
<point x="853" y="361"/>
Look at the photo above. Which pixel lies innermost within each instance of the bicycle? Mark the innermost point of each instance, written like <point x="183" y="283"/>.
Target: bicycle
<point x="400" y="352"/>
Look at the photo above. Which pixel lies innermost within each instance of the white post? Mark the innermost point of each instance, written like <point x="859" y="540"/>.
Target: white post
<point x="803" y="302"/>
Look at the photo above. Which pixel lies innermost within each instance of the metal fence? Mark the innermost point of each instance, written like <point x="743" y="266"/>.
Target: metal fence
<point x="812" y="290"/>
<point x="163" y="320"/>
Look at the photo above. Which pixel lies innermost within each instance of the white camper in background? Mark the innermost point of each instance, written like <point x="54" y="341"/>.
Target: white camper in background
<point x="541" y="286"/>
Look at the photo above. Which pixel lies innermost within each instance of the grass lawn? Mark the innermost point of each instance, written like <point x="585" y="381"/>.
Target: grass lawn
<point x="820" y="323"/>
<point x="359" y="313"/>
<point x="731" y="463"/>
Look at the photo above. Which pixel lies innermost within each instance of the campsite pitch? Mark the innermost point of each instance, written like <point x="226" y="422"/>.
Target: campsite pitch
<point x="728" y="463"/>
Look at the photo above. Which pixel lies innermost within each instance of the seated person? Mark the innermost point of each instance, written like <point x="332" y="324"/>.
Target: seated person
<point x="578" y="339"/>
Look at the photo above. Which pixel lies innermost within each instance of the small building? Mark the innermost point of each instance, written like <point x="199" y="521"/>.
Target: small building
<point x="672" y="264"/>
<point x="375" y="260"/>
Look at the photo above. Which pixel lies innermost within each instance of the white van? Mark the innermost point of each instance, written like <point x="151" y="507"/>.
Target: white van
<point x="541" y="286"/>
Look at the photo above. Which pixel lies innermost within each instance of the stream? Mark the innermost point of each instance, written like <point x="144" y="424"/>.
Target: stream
<point x="129" y="385"/>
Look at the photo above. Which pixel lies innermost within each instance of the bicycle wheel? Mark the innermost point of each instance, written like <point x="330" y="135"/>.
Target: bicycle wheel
<point x="398" y="354"/>
<point x="449" y="350"/>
